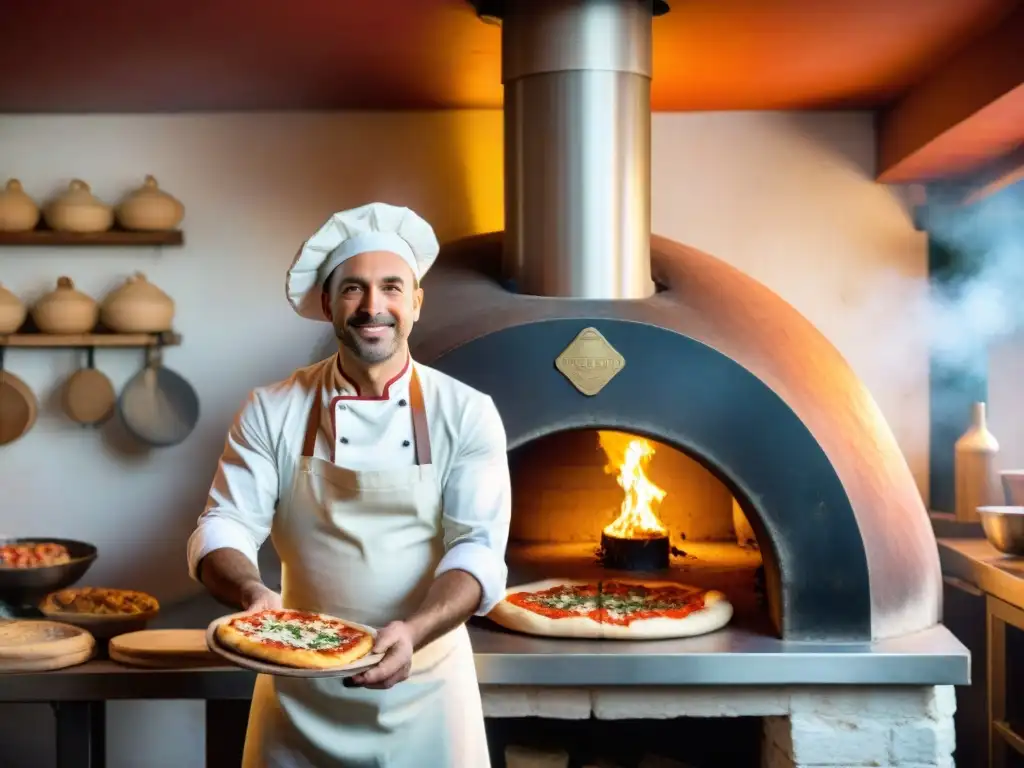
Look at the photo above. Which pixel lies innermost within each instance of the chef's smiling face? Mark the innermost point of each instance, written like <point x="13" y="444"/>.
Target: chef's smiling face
<point x="373" y="300"/>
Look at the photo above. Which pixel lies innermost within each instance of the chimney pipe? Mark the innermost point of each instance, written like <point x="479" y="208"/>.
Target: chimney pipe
<point x="577" y="78"/>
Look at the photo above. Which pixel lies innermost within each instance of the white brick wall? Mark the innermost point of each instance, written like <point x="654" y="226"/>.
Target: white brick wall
<point x="889" y="726"/>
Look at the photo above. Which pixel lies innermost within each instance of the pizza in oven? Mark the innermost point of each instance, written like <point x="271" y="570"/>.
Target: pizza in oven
<point x="617" y="609"/>
<point x="40" y="554"/>
<point x="300" y="639"/>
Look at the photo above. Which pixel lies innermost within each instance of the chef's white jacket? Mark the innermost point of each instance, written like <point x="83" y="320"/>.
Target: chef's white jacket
<point x="468" y="450"/>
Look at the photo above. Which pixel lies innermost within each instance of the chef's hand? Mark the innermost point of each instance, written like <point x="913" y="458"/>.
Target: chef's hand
<point x="395" y="641"/>
<point x="257" y="596"/>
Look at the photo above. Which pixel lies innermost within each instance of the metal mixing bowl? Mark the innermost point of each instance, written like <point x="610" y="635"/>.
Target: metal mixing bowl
<point x="1004" y="528"/>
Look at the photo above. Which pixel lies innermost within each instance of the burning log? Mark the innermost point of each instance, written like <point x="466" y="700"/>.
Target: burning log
<point x="647" y="554"/>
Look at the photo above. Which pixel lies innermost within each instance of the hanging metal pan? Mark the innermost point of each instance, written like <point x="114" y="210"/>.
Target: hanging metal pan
<point x="157" y="406"/>
<point x="18" y="405"/>
<point x="89" y="397"/>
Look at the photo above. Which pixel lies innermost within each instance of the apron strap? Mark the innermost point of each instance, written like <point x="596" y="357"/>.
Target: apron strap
<point x="420" y="431"/>
<point x="313" y="425"/>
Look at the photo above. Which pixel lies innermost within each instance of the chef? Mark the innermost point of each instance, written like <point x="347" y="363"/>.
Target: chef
<point x="384" y="487"/>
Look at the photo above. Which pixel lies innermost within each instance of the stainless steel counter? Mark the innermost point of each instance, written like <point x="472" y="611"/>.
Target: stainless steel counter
<point x="981" y="565"/>
<point x="729" y="657"/>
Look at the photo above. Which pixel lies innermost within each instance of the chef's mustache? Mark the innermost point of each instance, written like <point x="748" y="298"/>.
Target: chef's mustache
<point x="360" y="319"/>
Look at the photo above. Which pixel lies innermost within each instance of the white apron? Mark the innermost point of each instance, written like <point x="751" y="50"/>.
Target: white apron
<point x="364" y="546"/>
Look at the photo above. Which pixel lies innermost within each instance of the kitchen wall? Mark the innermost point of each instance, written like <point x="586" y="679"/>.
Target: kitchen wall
<point x="786" y="197"/>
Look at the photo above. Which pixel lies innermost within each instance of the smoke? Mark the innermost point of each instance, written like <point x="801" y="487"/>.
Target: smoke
<point x="981" y="302"/>
<point x="976" y="297"/>
<point x="973" y="300"/>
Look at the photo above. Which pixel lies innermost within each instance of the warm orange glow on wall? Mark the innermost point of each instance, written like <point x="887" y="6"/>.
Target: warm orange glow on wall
<point x="480" y="154"/>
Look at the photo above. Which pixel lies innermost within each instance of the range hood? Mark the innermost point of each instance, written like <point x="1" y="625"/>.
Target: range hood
<point x="577" y="78"/>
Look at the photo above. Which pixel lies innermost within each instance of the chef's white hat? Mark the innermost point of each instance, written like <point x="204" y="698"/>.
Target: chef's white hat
<point x="372" y="227"/>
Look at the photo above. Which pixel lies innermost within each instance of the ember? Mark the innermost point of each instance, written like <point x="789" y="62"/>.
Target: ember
<point x="636" y="540"/>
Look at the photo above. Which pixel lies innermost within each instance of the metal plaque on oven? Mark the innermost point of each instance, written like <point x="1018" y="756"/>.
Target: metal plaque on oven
<point x="590" y="362"/>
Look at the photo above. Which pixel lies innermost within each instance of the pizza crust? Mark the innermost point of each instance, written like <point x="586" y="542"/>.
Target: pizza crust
<point x="717" y="612"/>
<point x="301" y="658"/>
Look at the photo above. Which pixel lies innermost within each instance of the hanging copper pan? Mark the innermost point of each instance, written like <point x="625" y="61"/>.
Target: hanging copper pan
<point x="89" y="397"/>
<point x="18" y="405"/>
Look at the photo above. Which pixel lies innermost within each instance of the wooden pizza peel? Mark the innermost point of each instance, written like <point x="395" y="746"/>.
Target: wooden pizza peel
<point x="32" y="645"/>
<point x="163" y="648"/>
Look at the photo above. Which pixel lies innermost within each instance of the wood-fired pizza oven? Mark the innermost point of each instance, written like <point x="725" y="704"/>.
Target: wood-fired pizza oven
<point x="577" y="321"/>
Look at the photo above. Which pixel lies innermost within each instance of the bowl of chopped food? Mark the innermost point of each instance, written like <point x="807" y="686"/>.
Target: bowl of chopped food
<point x="104" y="611"/>
<point x="32" y="567"/>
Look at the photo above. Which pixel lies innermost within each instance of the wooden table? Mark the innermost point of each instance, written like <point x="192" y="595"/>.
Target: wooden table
<point x="974" y="564"/>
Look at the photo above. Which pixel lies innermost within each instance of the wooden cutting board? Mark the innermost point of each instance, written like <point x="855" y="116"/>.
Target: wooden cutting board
<point x="31" y="645"/>
<point x="162" y="648"/>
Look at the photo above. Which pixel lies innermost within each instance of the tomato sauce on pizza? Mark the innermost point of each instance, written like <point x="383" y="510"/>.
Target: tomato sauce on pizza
<point x="622" y="604"/>
<point x="561" y="602"/>
<point x="611" y="602"/>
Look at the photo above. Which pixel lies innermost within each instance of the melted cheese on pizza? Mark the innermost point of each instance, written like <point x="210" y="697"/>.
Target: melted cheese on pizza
<point x="306" y="634"/>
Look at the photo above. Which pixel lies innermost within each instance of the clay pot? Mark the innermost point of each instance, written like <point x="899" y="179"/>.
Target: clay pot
<point x="12" y="311"/>
<point x="66" y="310"/>
<point x="78" y="210"/>
<point x="18" y="211"/>
<point x="137" y="306"/>
<point x="149" y="208"/>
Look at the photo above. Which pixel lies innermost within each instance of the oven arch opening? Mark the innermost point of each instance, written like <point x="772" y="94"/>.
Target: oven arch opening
<point x="689" y="395"/>
<point x="570" y="487"/>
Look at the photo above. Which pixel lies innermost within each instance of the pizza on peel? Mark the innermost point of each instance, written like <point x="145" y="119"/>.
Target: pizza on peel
<point x="616" y="609"/>
<point x="300" y="639"/>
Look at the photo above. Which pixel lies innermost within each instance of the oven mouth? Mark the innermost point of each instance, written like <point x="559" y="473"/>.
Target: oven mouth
<point x="571" y="486"/>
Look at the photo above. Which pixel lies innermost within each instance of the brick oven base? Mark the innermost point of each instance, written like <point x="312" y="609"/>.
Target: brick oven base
<point x="904" y="726"/>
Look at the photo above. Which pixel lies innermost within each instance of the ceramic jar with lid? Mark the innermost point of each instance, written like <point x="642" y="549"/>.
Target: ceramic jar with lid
<point x="65" y="310"/>
<point x="137" y="306"/>
<point x="77" y="209"/>
<point x="149" y="208"/>
<point x="18" y="211"/>
<point x="12" y="311"/>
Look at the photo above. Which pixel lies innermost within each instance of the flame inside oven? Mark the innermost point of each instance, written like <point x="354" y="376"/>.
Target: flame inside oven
<point x="628" y="456"/>
<point x="637" y="539"/>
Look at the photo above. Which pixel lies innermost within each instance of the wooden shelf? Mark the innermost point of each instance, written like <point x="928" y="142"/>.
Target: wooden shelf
<point x="115" y="237"/>
<point x="85" y="340"/>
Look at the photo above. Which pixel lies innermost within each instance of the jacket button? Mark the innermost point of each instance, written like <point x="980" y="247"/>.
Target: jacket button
<point x="402" y="403"/>
<point x="405" y="443"/>
<point x="344" y="440"/>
